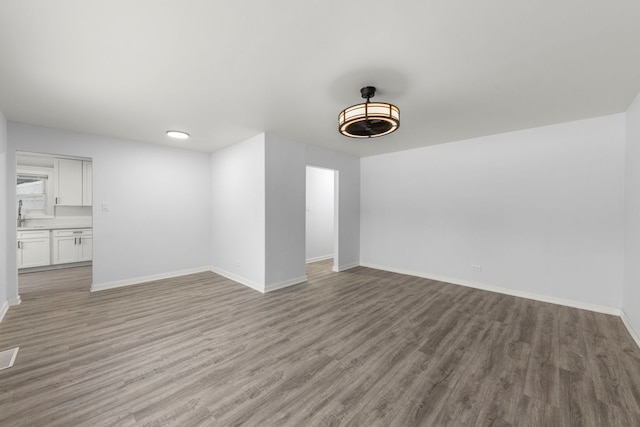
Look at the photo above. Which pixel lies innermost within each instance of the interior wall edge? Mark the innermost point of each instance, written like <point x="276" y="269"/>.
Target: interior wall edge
<point x="346" y="267"/>
<point x="615" y="311"/>
<point x="238" y="279"/>
<point x="5" y="214"/>
<point x="627" y="323"/>
<point x="285" y="284"/>
<point x="631" y="285"/>
<point x="3" y="309"/>
<point x="237" y="223"/>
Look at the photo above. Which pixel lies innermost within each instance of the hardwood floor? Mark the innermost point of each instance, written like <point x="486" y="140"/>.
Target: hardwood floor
<point x="362" y="347"/>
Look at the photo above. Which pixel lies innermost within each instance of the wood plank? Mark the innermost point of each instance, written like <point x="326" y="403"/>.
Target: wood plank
<point x="360" y="347"/>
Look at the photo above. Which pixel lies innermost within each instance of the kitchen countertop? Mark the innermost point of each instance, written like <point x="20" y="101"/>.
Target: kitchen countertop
<point x="52" y="227"/>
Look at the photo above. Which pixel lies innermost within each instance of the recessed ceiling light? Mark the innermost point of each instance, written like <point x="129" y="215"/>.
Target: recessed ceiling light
<point x="177" y="134"/>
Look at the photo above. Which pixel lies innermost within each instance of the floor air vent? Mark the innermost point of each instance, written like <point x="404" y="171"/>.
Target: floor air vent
<point x="7" y="358"/>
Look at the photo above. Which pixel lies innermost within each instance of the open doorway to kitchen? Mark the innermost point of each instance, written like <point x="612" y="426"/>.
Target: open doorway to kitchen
<point x="54" y="223"/>
<point x="321" y="220"/>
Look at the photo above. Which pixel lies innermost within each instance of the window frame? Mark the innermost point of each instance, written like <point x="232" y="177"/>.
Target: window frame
<point x="49" y="196"/>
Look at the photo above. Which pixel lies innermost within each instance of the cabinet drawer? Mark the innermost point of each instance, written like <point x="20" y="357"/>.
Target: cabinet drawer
<point x="81" y="232"/>
<point x="33" y="234"/>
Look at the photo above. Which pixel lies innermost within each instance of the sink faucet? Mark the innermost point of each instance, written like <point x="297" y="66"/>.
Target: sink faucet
<point x="20" y="219"/>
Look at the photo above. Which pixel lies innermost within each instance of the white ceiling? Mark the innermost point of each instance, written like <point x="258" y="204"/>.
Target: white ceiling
<point x="226" y="70"/>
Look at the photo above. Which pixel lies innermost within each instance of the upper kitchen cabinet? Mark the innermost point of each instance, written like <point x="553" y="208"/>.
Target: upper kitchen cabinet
<point x="73" y="182"/>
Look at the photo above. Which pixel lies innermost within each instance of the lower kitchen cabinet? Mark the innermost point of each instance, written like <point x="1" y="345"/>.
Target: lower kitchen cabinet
<point x="34" y="249"/>
<point x="86" y="248"/>
<point x="72" y="246"/>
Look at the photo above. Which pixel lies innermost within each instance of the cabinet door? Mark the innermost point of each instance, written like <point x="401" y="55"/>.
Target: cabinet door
<point x="86" y="249"/>
<point x="68" y="182"/>
<point x="65" y="249"/>
<point x="34" y="253"/>
<point x="87" y="183"/>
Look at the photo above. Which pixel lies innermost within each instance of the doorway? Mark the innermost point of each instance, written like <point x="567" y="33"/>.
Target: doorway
<point x="54" y="223"/>
<point x="321" y="219"/>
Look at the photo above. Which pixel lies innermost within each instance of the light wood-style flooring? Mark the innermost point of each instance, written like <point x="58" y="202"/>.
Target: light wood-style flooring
<point x="361" y="348"/>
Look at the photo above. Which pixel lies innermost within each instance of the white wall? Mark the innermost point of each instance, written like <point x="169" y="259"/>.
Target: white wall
<point x="631" y="305"/>
<point x="159" y="200"/>
<point x="539" y="210"/>
<point x="319" y="223"/>
<point x="286" y="163"/>
<point x="258" y="210"/>
<point x="238" y="212"/>
<point x="346" y="250"/>
<point x="285" y="217"/>
<point x="3" y="216"/>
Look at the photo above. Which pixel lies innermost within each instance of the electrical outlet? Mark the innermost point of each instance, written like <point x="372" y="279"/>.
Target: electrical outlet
<point x="476" y="268"/>
<point x="105" y="207"/>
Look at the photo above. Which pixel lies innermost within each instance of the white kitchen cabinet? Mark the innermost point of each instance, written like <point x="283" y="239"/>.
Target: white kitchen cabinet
<point x="34" y="248"/>
<point x="65" y="249"/>
<point x="68" y="176"/>
<point x="73" y="182"/>
<point x="86" y="248"/>
<point x="72" y="245"/>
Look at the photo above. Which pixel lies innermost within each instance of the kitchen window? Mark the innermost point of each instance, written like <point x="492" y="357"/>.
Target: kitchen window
<point x="34" y="188"/>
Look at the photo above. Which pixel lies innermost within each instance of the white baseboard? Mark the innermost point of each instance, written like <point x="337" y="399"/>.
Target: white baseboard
<point x="285" y="284"/>
<point x="145" y="279"/>
<point x="346" y="267"/>
<point x="3" y="309"/>
<point x="231" y="276"/>
<point x="522" y="294"/>
<point x="54" y="267"/>
<point x="632" y="331"/>
<point x="319" y="258"/>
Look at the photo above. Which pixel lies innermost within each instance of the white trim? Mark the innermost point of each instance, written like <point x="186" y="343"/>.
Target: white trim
<point x="239" y="279"/>
<point x="632" y="331"/>
<point x="346" y="267"/>
<point x="319" y="258"/>
<point x="145" y="279"/>
<point x="3" y="309"/>
<point x="15" y="301"/>
<point x="54" y="267"/>
<point x="13" y="357"/>
<point x="285" y="284"/>
<point x="522" y="294"/>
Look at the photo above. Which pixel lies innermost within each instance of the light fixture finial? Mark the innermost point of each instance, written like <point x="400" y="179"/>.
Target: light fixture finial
<point x="368" y="92"/>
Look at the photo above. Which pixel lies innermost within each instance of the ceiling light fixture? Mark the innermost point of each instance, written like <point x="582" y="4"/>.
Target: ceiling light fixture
<point x="177" y="134"/>
<point x="369" y="120"/>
